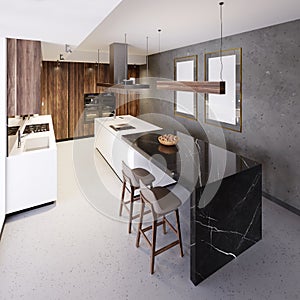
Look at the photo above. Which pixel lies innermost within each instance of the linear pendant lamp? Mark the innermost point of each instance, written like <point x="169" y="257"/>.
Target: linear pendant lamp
<point x="209" y="87"/>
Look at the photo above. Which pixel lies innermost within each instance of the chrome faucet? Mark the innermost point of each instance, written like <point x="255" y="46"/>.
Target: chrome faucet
<point x="19" y="138"/>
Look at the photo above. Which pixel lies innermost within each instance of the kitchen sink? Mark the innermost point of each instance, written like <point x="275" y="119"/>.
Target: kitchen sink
<point x="36" y="143"/>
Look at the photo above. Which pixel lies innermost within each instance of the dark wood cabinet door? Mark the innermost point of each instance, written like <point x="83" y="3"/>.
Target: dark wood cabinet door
<point x="133" y="103"/>
<point x="76" y="100"/>
<point x="55" y="96"/>
<point x="24" y="59"/>
<point x="29" y="58"/>
<point x="11" y="77"/>
<point x="90" y="78"/>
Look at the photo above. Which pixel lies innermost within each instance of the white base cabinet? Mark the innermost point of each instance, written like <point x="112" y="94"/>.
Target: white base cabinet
<point x="31" y="177"/>
<point x="115" y="150"/>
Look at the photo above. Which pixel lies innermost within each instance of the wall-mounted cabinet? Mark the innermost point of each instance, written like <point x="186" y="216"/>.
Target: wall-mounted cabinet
<point x="24" y="60"/>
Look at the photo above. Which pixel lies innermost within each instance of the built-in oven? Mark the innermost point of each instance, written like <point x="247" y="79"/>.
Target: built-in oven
<point x="92" y="107"/>
<point x="98" y="105"/>
<point x="108" y="104"/>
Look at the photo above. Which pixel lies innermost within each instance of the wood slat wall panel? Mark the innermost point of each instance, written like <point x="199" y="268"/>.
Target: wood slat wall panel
<point x="121" y="104"/>
<point x="55" y="98"/>
<point x="133" y="103"/>
<point x="90" y="78"/>
<point x="28" y="76"/>
<point x="76" y="101"/>
<point x="11" y="77"/>
<point x="44" y="86"/>
<point x="102" y="76"/>
<point x="62" y="101"/>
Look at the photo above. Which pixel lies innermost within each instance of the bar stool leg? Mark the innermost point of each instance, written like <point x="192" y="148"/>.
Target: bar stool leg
<point x="131" y="209"/>
<point x="140" y="225"/>
<point x="122" y="197"/>
<point x="154" y="226"/>
<point x="178" y="232"/>
<point x="164" y="225"/>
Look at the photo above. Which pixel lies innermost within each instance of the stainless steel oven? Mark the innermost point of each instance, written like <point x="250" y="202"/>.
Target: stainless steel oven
<point x="108" y="104"/>
<point x="92" y="107"/>
<point x="98" y="105"/>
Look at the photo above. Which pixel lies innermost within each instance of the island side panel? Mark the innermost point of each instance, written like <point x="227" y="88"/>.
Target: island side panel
<point x="228" y="224"/>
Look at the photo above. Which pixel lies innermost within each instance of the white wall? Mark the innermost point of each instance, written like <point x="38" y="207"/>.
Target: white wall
<point x="2" y="129"/>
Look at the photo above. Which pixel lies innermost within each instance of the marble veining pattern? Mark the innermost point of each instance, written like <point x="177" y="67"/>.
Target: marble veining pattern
<point x="228" y="225"/>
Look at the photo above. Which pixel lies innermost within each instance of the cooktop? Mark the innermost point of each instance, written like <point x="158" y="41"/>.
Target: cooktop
<point x="36" y="128"/>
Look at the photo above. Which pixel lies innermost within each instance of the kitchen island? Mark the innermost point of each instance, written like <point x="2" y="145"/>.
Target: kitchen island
<point x="109" y="142"/>
<point x="223" y="191"/>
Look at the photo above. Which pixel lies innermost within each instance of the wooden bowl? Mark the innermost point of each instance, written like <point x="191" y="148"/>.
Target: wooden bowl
<point x="165" y="142"/>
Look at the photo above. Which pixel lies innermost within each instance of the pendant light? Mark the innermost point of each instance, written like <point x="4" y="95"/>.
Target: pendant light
<point x="209" y="87"/>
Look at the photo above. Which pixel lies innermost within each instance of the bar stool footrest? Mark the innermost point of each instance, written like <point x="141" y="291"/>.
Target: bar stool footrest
<point x="165" y="248"/>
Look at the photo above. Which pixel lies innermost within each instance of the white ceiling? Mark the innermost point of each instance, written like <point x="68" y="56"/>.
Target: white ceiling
<point x="94" y="24"/>
<point x="54" y="21"/>
<point x="184" y="22"/>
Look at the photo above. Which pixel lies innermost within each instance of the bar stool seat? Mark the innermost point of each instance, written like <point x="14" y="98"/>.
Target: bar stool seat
<point x="133" y="178"/>
<point x="166" y="201"/>
<point x="161" y="202"/>
<point x="144" y="175"/>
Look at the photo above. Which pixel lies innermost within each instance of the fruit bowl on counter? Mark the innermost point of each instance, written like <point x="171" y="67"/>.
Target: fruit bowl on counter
<point x="168" y="139"/>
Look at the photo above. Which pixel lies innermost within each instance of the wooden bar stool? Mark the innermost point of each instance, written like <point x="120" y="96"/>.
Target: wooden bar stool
<point x="133" y="177"/>
<point x="161" y="202"/>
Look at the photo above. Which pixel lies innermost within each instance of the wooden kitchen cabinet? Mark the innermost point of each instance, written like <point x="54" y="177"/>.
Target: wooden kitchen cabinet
<point x="127" y="102"/>
<point x="24" y="58"/>
<point x="76" y="103"/>
<point x="55" y="96"/>
<point x="63" y="87"/>
<point x="82" y="80"/>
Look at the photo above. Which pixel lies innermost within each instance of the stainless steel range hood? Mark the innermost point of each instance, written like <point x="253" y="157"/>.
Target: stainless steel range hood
<point x="118" y="59"/>
<point x="118" y="70"/>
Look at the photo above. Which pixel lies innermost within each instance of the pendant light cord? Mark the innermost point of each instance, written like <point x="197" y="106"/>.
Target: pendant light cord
<point x="221" y="40"/>
<point x="98" y="65"/>
<point x="125" y="41"/>
<point x="147" y="45"/>
<point x="159" y="31"/>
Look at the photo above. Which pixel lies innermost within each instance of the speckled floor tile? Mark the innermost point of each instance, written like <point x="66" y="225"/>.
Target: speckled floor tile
<point x="70" y="250"/>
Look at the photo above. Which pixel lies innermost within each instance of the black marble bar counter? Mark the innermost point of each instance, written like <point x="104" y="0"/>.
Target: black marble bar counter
<point x="225" y="195"/>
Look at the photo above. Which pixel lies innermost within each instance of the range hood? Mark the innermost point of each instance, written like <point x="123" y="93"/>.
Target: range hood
<point x="118" y="59"/>
<point x="118" y="70"/>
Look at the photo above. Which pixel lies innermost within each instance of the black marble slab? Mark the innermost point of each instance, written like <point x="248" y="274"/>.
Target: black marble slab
<point x="210" y="163"/>
<point x="225" y="197"/>
<point x="226" y="225"/>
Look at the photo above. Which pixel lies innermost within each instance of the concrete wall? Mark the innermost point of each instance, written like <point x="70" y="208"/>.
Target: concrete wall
<point x="271" y="102"/>
<point x="2" y="129"/>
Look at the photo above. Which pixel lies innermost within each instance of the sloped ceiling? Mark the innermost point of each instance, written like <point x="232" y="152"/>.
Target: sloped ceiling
<point x="54" y="21"/>
<point x="94" y="24"/>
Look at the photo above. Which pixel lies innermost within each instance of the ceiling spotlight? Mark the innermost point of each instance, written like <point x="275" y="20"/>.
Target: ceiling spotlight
<point x="68" y="48"/>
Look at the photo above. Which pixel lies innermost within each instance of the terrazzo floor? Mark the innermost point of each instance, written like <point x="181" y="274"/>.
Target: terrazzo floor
<point x="74" y="250"/>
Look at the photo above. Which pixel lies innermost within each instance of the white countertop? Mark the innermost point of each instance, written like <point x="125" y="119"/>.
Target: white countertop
<point x="13" y="140"/>
<point x="138" y="124"/>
